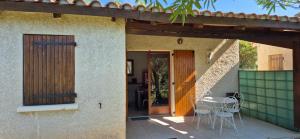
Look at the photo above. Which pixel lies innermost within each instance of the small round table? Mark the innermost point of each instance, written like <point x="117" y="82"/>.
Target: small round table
<point x="217" y="100"/>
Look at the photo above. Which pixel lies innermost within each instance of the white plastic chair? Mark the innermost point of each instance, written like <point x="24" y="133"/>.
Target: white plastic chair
<point x="225" y="115"/>
<point x="200" y="110"/>
<point x="203" y="111"/>
<point x="236" y="109"/>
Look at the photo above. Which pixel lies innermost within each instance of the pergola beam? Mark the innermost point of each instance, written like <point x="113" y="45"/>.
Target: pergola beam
<point x="281" y="39"/>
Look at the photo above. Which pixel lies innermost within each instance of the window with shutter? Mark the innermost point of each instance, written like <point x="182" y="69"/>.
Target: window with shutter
<point x="276" y="62"/>
<point x="49" y="69"/>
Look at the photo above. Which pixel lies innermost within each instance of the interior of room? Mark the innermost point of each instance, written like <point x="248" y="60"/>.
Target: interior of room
<point x="137" y="84"/>
<point x="148" y="83"/>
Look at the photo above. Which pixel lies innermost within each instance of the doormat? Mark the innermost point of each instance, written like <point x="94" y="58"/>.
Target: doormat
<point x="139" y="118"/>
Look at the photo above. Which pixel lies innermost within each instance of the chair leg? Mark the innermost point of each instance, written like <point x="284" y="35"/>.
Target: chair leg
<point x="198" y="122"/>
<point x="210" y="119"/>
<point x="194" y="116"/>
<point x="234" y="126"/>
<point x="213" y="125"/>
<point x="241" y="119"/>
<point x="221" y="127"/>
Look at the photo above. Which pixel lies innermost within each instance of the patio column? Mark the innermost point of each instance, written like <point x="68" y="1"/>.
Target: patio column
<point x="296" y="60"/>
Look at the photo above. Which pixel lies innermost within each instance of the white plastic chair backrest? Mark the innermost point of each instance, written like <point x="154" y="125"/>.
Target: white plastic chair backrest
<point x="229" y="103"/>
<point x="240" y="96"/>
<point x="236" y="104"/>
<point x="201" y="105"/>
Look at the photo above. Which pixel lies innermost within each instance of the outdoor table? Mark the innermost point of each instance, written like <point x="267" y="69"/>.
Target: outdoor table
<point x="216" y="100"/>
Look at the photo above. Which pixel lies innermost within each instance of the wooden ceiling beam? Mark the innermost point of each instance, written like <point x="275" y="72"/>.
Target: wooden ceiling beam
<point x="281" y="39"/>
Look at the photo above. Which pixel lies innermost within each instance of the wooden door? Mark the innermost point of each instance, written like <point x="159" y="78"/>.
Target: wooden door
<point x="184" y="77"/>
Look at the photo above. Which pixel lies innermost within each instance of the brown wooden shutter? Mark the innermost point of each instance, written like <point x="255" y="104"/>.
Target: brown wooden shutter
<point x="276" y="62"/>
<point x="49" y="69"/>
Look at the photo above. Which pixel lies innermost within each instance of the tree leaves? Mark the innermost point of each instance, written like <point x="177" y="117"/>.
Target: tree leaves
<point x="248" y="55"/>
<point x="183" y="8"/>
<point x="271" y="5"/>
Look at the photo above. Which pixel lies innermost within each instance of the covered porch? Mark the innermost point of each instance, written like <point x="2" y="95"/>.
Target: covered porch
<point x="165" y="127"/>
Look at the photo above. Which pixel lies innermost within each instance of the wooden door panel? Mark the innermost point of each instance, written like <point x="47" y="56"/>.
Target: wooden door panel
<point x="184" y="76"/>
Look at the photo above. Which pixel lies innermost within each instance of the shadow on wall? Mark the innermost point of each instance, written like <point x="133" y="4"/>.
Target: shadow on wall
<point x="222" y="75"/>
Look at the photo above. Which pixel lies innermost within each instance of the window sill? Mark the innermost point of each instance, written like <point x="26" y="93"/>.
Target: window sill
<point x="41" y="108"/>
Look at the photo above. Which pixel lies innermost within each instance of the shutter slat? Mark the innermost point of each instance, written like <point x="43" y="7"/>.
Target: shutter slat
<point x="27" y="69"/>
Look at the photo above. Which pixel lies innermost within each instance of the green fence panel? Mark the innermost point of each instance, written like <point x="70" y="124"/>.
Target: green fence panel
<point x="262" y="108"/>
<point x="268" y="96"/>
<point x="269" y="76"/>
<point x="280" y="75"/>
<point x="262" y="116"/>
<point x="290" y="75"/>
<point x="260" y="91"/>
<point x="282" y="94"/>
<point x="261" y="100"/>
<point x="290" y="95"/>
<point x="270" y="93"/>
<point x="270" y="84"/>
<point x="260" y="75"/>
<point x="251" y="83"/>
<point x="251" y="75"/>
<point x="290" y="85"/>
<point x="251" y="90"/>
<point x="282" y="104"/>
<point x="243" y="74"/>
<point x="281" y="85"/>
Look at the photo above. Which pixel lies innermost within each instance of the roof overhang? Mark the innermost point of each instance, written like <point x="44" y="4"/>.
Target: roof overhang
<point x="205" y="18"/>
<point x="281" y="31"/>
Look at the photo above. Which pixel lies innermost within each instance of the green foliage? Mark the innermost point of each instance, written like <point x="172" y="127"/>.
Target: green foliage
<point x="183" y="8"/>
<point x="271" y="5"/>
<point x="248" y="55"/>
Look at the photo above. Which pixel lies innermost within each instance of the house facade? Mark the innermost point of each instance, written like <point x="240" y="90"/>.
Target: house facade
<point x="100" y="77"/>
<point x="273" y="58"/>
<point x="63" y="72"/>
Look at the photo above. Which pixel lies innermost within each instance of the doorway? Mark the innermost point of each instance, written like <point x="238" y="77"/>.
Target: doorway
<point x="148" y="83"/>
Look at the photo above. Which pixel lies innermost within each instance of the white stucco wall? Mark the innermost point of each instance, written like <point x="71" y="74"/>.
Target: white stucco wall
<point x="220" y="76"/>
<point x="100" y="77"/>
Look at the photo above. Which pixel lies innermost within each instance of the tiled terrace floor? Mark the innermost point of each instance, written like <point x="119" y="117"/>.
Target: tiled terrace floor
<point x="158" y="127"/>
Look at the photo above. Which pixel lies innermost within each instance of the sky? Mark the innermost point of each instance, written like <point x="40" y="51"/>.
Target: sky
<point x="237" y="6"/>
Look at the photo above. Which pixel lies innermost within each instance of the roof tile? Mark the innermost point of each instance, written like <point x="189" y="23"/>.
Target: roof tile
<point x="95" y="3"/>
<point x="142" y="8"/>
<point x="79" y="3"/>
<point x="127" y="6"/>
<point x="112" y="5"/>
